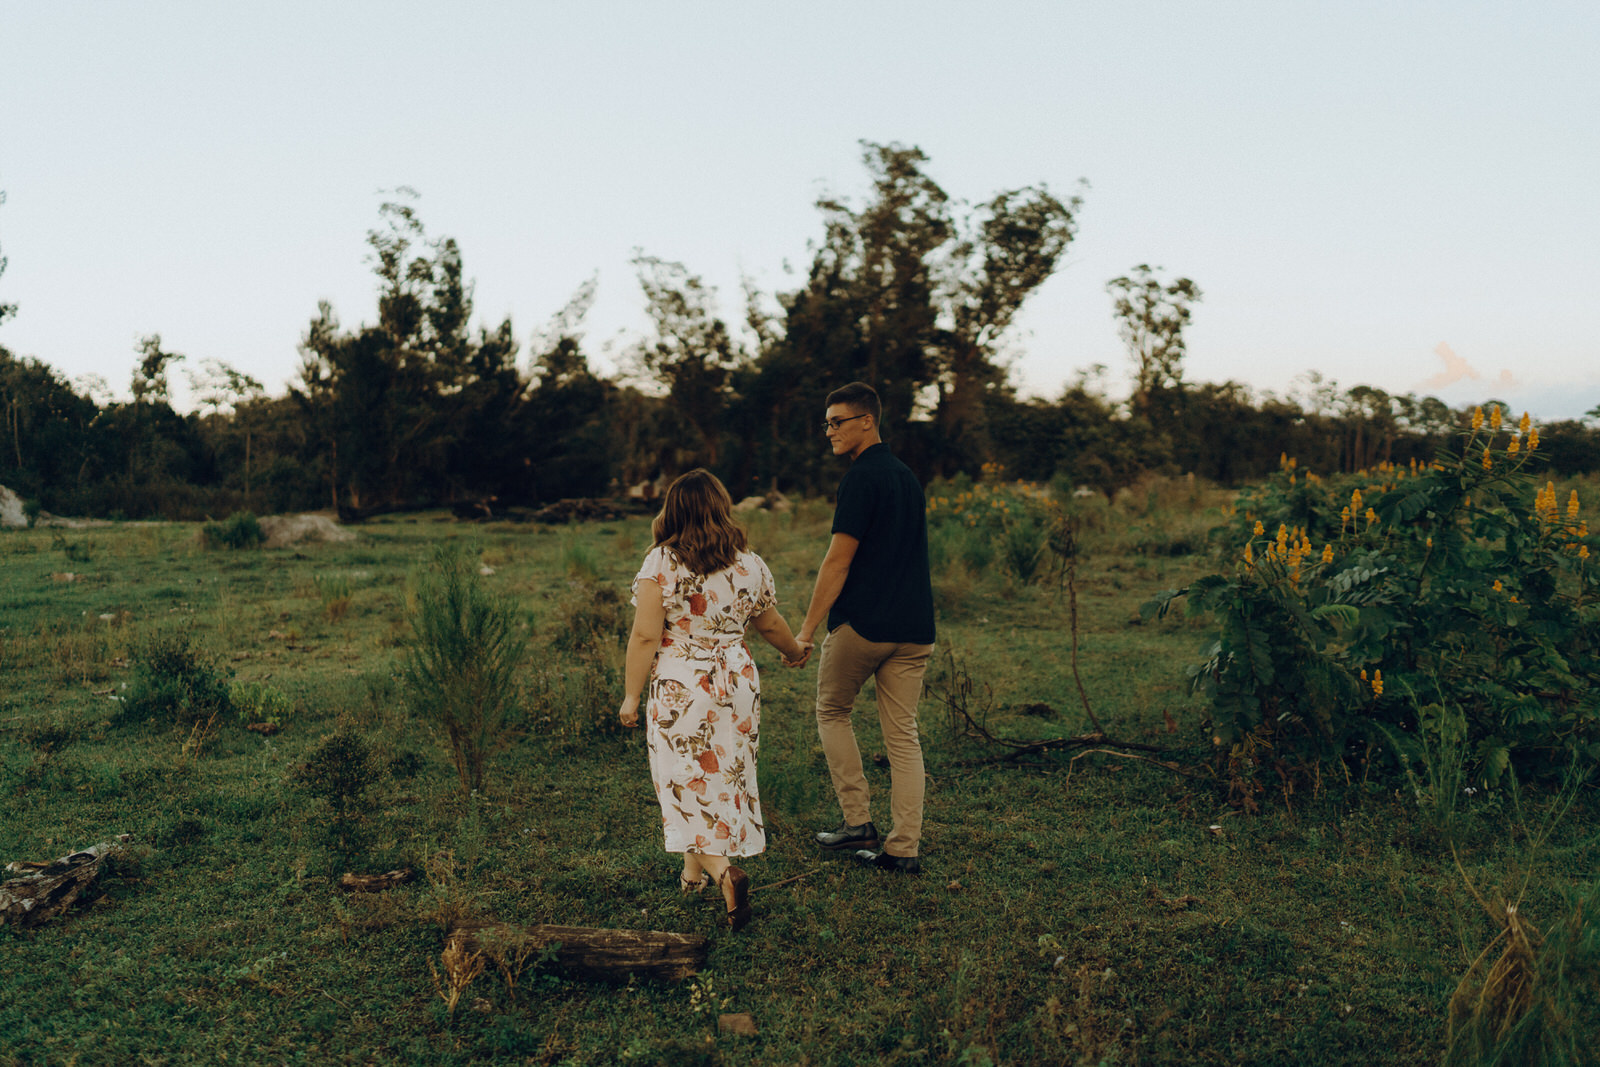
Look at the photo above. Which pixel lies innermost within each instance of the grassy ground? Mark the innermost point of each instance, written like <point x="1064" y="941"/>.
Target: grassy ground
<point x="1096" y="911"/>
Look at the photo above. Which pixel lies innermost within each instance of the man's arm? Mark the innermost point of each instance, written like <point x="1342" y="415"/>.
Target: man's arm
<point x="830" y="582"/>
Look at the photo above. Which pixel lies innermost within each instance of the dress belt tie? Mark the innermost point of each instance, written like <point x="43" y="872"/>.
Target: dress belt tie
<point x="721" y="669"/>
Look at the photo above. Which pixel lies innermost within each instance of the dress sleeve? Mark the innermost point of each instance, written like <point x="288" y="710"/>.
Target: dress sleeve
<point x="766" y="589"/>
<point x="660" y="567"/>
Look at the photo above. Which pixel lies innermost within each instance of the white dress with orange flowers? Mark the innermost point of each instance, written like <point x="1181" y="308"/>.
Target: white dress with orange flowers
<point x="704" y="711"/>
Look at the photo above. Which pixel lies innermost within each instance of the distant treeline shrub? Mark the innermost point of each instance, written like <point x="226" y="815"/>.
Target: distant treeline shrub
<point x="419" y="409"/>
<point x="239" y="530"/>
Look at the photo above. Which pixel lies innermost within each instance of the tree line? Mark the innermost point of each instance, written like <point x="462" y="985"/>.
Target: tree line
<point x="908" y="289"/>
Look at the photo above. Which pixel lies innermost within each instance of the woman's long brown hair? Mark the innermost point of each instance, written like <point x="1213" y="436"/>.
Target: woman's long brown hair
<point x="696" y="522"/>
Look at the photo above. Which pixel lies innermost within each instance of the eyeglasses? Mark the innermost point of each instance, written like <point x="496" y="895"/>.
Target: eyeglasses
<point x="834" y="424"/>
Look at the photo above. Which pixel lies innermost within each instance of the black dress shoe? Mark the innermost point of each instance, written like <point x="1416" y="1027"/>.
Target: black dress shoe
<point x="885" y="862"/>
<point x="847" y="836"/>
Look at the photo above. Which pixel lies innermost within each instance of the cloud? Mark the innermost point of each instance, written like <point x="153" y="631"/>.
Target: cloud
<point x="1457" y="369"/>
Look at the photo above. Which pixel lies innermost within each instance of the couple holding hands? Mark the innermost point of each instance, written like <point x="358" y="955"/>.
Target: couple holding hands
<point x="698" y="590"/>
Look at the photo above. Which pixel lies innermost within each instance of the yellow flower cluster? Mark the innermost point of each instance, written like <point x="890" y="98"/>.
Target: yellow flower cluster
<point x="1376" y="681"/>
<point x="1290" y="548"/>
<point x="1545" y="505"/>
<point x="1526" y="434"/>
<point x="1477" y="419"/>
<point x="1494" y="417"/>
<point x="1488" y="461"/>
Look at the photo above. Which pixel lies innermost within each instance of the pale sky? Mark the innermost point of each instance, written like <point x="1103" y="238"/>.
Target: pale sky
<point x="1391" y="194"/>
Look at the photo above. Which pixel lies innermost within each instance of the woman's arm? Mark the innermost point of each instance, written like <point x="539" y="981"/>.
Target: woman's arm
<point x="775" y="632"/>
<point x="649" y="618"/>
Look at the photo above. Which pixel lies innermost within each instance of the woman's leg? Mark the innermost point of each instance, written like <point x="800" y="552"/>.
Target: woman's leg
<point x="693" y="871"/>
<point x="712" y="865"/>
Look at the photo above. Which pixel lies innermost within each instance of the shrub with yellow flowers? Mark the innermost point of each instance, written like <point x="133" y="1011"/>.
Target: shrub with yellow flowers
<point x="991" y="522"/>
<point x="1457" y="596"/>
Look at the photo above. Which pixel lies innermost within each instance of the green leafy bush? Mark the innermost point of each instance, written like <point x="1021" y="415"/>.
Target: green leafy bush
<point x="340" y="770"/>
<point x="461" y="670"/>
<point x="1461" y="588"/>
<point x="239" y="530"/>
<point x="172" y="680"/>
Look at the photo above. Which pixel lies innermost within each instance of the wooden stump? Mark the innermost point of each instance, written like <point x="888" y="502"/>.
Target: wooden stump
<point x="586" y="951"/>
<point x="45" y="890"/>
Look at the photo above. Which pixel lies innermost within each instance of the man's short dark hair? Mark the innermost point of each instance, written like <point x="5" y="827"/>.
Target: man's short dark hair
<point x="858" y="396"/>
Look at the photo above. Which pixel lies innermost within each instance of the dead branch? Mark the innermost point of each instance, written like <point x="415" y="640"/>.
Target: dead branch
<point x="1169" y="765"/>
<point x="958" y="696"/>
<point x="786" y="881"/>
<point x="374" y="883"/>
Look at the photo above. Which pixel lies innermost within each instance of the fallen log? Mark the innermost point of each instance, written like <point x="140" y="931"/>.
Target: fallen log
<point x="584" y="951"/>
<point x="48" y="889"/>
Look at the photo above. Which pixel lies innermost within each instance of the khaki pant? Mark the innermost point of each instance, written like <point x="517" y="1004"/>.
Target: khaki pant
<point x="848" y="660"/>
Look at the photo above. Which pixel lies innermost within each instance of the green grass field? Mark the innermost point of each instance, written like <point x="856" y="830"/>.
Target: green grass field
<point x="1097" y="910"/>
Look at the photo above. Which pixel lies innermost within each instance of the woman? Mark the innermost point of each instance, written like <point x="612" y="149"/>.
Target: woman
<point x="698" y="590"/>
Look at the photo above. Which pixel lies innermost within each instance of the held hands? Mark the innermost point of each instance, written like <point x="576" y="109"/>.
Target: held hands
<point x="802" y="655"/>
<point x="629" y="712"/>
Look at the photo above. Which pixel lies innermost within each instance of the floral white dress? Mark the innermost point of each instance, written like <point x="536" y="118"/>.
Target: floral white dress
<point x="703" y="721"/>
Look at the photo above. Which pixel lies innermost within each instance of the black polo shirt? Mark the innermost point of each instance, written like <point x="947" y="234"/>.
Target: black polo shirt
<point x="887" y="596"/>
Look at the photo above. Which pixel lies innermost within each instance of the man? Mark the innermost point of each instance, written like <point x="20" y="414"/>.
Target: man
<point x="875" y="593"/>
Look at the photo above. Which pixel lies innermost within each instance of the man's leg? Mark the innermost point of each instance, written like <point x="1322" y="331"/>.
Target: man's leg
<point x="899" y="687"/>
<point x="847" y="662"/>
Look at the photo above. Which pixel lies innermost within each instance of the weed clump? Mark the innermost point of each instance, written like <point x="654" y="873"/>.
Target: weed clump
<point x="261" y="704"/>
<point x="595" y="621"/>
<point x="174" y="681"/>
<point x="335" y="591"/>
<point x="576" y="695"/>
<point x="239" y="530"/>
